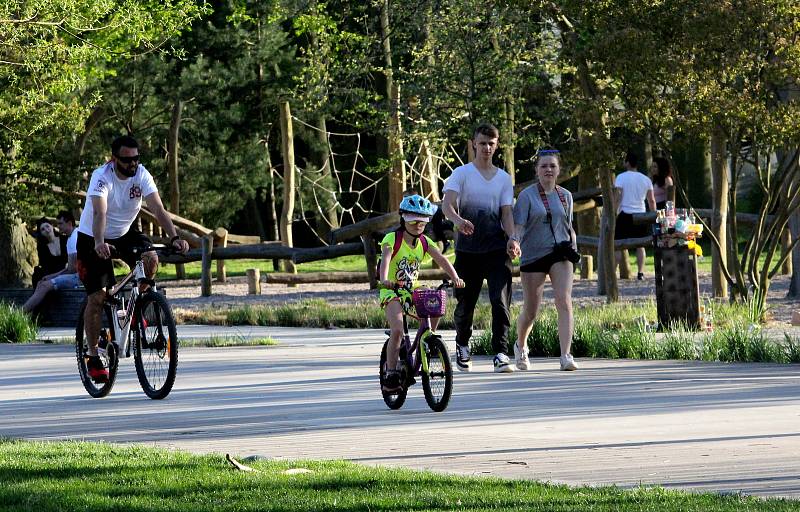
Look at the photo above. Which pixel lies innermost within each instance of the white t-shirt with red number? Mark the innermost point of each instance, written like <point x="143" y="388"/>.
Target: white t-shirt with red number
<point x="123" y="199"/>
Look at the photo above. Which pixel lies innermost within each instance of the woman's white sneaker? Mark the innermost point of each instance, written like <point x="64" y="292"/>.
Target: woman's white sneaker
<point x="568" y="363"/>
<point x="521" y="355"/>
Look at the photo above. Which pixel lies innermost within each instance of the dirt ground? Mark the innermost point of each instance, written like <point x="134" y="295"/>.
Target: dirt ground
<point x="186" y="294"/>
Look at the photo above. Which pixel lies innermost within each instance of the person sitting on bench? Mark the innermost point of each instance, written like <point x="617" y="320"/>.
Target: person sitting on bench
<point x="65" y="278"/>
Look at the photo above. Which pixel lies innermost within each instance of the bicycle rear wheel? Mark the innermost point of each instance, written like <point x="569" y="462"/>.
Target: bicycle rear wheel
<point x="155" y="345"/>
<point x="393" y="399"/>
<point x="108" y="355"/>
<point x="437" y="383"/>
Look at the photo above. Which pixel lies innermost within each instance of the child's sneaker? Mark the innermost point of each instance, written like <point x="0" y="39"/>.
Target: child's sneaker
<point x="568" y="363"/>
<point x="463" y="361"/>
<point x="521" y="355"/>
<point x="502" y="364"/>
<point x="391" y="381"/>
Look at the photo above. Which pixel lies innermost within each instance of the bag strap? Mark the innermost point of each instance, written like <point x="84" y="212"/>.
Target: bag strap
<point x="546" y="204"/>
<point x="398" y="240"/>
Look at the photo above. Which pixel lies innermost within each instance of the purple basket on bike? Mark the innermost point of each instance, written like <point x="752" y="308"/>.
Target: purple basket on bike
<point x="429" y="302"/>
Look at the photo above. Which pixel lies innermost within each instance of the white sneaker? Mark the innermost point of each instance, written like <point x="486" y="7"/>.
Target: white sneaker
<point x="463" y="361"/>
<point x="521" y="355"/>
<point x="502" y="364"/>
<point x="568" y="363"/>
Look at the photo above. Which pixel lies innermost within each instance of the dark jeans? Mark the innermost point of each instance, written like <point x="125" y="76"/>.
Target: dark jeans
<point x="495" y="268"/>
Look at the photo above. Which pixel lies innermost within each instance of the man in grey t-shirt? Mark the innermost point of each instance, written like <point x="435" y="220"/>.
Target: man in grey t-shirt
<point x="478" y="198"/>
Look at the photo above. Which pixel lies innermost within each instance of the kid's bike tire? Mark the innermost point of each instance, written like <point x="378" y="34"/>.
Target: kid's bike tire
<point x="155" y="345"/>
<point x="109" y="355"/>
<point x="437" y="382"/>
<point x="393" y="399"/>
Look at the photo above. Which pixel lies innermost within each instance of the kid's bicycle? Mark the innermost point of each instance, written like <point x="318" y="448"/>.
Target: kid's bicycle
<point x="426" y="357"/>
<point x="130" y="319"/>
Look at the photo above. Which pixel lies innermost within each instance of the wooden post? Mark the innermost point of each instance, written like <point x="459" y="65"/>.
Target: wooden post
<point x="719" y="221"/>
<point x="370" y="255"/>
<point x="624" y="265"/>
<point x="221" y="240"/>
<point x="253" y="281"/>
<point x="786" y="242"/>
<point x="205" y="276"/>
<point x="587" y="266"/>
<point x="287" y="212"/>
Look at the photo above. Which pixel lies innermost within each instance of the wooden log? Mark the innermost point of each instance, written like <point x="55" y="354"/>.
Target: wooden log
<point x="587" y="266"/>
<point x="627" y="243"/>
<point x="221" y="240"/>
<point x="364" y="227"/>
<point x="243" y="239"/>
<point x="348" y="277"/>
<point x="205" y="275"/>
<point x="747" y="219"/>
<point x="583" y="206"/>
<point x="254" y="281"/>
<point x="269" y="251"/>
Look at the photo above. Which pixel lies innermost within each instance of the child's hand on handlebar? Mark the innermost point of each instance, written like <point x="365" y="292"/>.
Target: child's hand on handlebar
<point x="458" y="282"/>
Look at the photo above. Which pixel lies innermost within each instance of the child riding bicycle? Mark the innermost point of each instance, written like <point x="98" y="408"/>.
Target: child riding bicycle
<point x="402" y="252"/>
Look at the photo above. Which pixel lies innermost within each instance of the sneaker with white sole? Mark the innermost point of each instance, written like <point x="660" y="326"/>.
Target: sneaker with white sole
<point x="463" y="361"/>
<point x="521" y="355"/>
<point x="502" y="364"/>
<point x="568" y="363"/>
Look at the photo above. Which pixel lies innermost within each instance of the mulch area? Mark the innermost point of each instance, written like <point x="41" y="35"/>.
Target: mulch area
<point x="186" y="294"/>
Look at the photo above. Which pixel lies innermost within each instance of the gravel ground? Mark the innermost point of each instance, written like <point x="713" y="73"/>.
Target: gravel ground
<point x="186" y="294"/>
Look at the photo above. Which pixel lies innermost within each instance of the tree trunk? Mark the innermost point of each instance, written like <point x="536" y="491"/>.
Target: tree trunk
<point x="719" y="179"/>
<point x="326" y="195"/>
<point x="397" y="177"/>
<point x="794" y="227"/>
<point x="429" y="186"/>
<point x="508" y="138"/>
<point x="18" y="256"/>
<point x="173" y="146"/>
<point x="287" y="213"/>
<point x="607" y="235"/>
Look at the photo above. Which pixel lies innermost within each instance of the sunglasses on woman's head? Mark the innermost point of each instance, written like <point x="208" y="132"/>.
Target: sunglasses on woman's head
<point x="128" y="159"/>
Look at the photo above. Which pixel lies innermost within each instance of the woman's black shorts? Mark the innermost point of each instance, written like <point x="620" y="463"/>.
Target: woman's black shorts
<point x="543" y="264"/>
<point x="97" y="273"/>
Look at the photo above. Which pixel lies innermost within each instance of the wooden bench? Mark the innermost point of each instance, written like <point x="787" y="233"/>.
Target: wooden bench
<point x="59" y="308"/>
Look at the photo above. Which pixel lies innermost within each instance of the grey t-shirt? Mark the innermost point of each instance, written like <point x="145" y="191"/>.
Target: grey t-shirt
<point x="480" y="202"/>
<point x="537" y="239"/>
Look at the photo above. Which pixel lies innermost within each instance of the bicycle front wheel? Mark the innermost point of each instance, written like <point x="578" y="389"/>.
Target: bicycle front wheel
<point x="155" y="345"/>
<point x="437" y="382"/>
<point x="108" y="355"/>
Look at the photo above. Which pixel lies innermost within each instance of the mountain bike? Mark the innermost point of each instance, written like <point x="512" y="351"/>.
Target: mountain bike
<point x="426" y="357"/>
<point x="133" y="320"/>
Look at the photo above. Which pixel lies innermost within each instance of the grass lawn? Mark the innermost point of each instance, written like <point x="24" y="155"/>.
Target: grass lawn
<point x="86" y="476"/>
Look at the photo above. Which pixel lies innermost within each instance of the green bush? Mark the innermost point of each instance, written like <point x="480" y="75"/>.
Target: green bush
<point x="15" y="325"/>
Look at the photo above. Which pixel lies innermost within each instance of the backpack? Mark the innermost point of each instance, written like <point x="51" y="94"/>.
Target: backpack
<point x="398" y="239"/>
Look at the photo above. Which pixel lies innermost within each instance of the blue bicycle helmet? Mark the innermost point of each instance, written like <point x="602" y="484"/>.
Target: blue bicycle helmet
<point x="417" y="205"/>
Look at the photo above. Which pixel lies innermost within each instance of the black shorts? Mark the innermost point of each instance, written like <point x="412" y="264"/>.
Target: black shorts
<point x="625" y="227"/>
<point x="96" y="273"/>
<point x="543" y="264"/>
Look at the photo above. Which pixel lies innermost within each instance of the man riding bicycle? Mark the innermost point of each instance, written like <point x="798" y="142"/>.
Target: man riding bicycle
<point x="113" y="202"/>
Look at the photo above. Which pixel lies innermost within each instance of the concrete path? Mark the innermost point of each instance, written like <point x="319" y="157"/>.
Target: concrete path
<point x="699" y="426"/>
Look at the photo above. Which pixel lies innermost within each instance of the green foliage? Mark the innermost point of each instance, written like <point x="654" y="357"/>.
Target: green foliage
<point x="15" y="325"/>
<point x="51" y="50"/>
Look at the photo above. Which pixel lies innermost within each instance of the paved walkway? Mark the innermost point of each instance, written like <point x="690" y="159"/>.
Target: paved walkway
<point x="700" y="426"/>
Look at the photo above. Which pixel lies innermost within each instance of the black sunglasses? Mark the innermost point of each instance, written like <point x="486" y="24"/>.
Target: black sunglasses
<point x="128" y="159"/>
